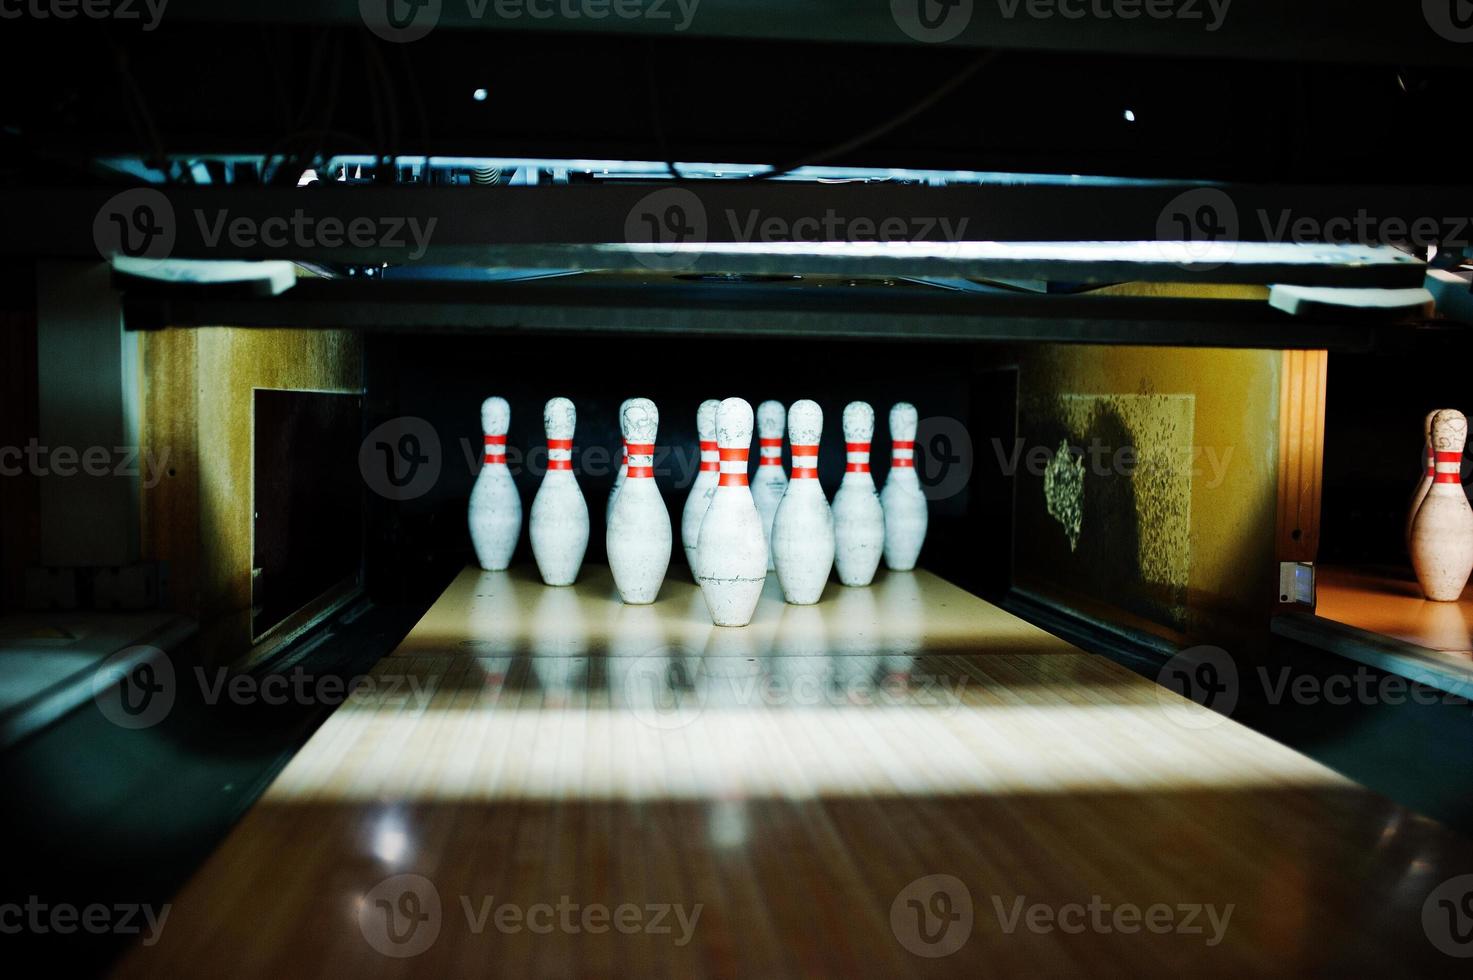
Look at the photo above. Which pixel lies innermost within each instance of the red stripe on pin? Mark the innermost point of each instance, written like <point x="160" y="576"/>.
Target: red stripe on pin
<point x="708" y="446"/>
<point x="710" y="467"/>
<point x="857" y="468"/>
<point x="635" y="472"/>
<point x="733" y="480"/>
<point x="856" y="447"/>
<point x="902" y="444"/>
<point x="804" y="473"/>
<point x="496" y="440"/>
<point x="770" y="443"/>
<point x="560" y="464"/>
<point x="770" y="461"/>
<point x="902" y="463"/>
<point x="641" y="449"/>
<point x="1454" y="475"/>
<point x="560" y="444"/>
<point x="734" y="455"/>
<point x="805" y="450"/>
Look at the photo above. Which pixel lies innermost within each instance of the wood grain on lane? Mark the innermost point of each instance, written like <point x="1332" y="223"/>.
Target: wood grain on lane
<point x="593" y="789"/>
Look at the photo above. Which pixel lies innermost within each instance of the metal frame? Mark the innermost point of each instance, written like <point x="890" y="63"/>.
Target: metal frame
<point x="820" y="308"/>
<point x="602" y="226"/>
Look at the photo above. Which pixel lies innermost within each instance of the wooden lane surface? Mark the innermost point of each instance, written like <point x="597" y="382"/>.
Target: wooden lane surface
<point x="775" y="801"/>
<point x="1382" y="602"/>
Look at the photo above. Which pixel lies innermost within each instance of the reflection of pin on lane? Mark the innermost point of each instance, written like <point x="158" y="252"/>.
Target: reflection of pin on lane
<point x="559" y="524"/>
<point x="855" y="625"/>
<point x="801" y="632"/>
<point x="769" y="482"/>
<point x="495" y="512"/>
<point x="800" y="652"/>
<point x="902" y="613"/>
<point x="494" y="617"/>
<point x="558" y="628"/>
<point x="639" y="536"/>
<point x="1442" y="532"/>
<point x="731" y="554"/>
<point x="903" y="500"/>
<point x="704" y="486"/>
<point x="803" y="529"/>
<point x="859" y="519"/>
<point x="559" y="641"/>
<point x="731" y="670"/>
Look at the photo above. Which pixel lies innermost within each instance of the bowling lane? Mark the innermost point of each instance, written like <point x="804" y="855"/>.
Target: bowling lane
<point x="545" y="781"/>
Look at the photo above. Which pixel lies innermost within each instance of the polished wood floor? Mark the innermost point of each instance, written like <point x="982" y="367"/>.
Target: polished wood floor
<point x="1390" y="602"/>
<point x="545" y="782"/>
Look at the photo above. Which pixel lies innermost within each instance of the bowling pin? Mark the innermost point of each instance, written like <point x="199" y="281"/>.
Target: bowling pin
<point x="1425" y="483"/>
<point x="705" y="483"/>
<point x="903" y="500"/>
<point x="1442" y="533"/>
<point x="859" y="518"/>
<point x="731" y="554"/>
<point x="559" y="525"/>
<point x="623" y="466"/>
<point x="638" y="536"/>
<point x="770" y="482"/>
<point x="803" y="530"/>
<point x="495" y="514"/>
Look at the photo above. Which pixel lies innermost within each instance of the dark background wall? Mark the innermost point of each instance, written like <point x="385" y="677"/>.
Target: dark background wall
<point x="1374" y="410"/>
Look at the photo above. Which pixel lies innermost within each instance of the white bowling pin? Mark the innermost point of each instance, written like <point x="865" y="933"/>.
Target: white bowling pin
<point x="639" y="536"/>
<point x="1442" y="533"/>
<point x="559" y="525"/>
<point x="704" y="486"/>
<point x="803" y="530"/>
<point x="623" y="467"/>
<point x="859" y="519"/>
<point x="904" y="501"/>
<point x="1425" y="483"/>
<point x="770" y="482"/>
<point x="731" y="554"/>
<point x="495" y="513"/>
